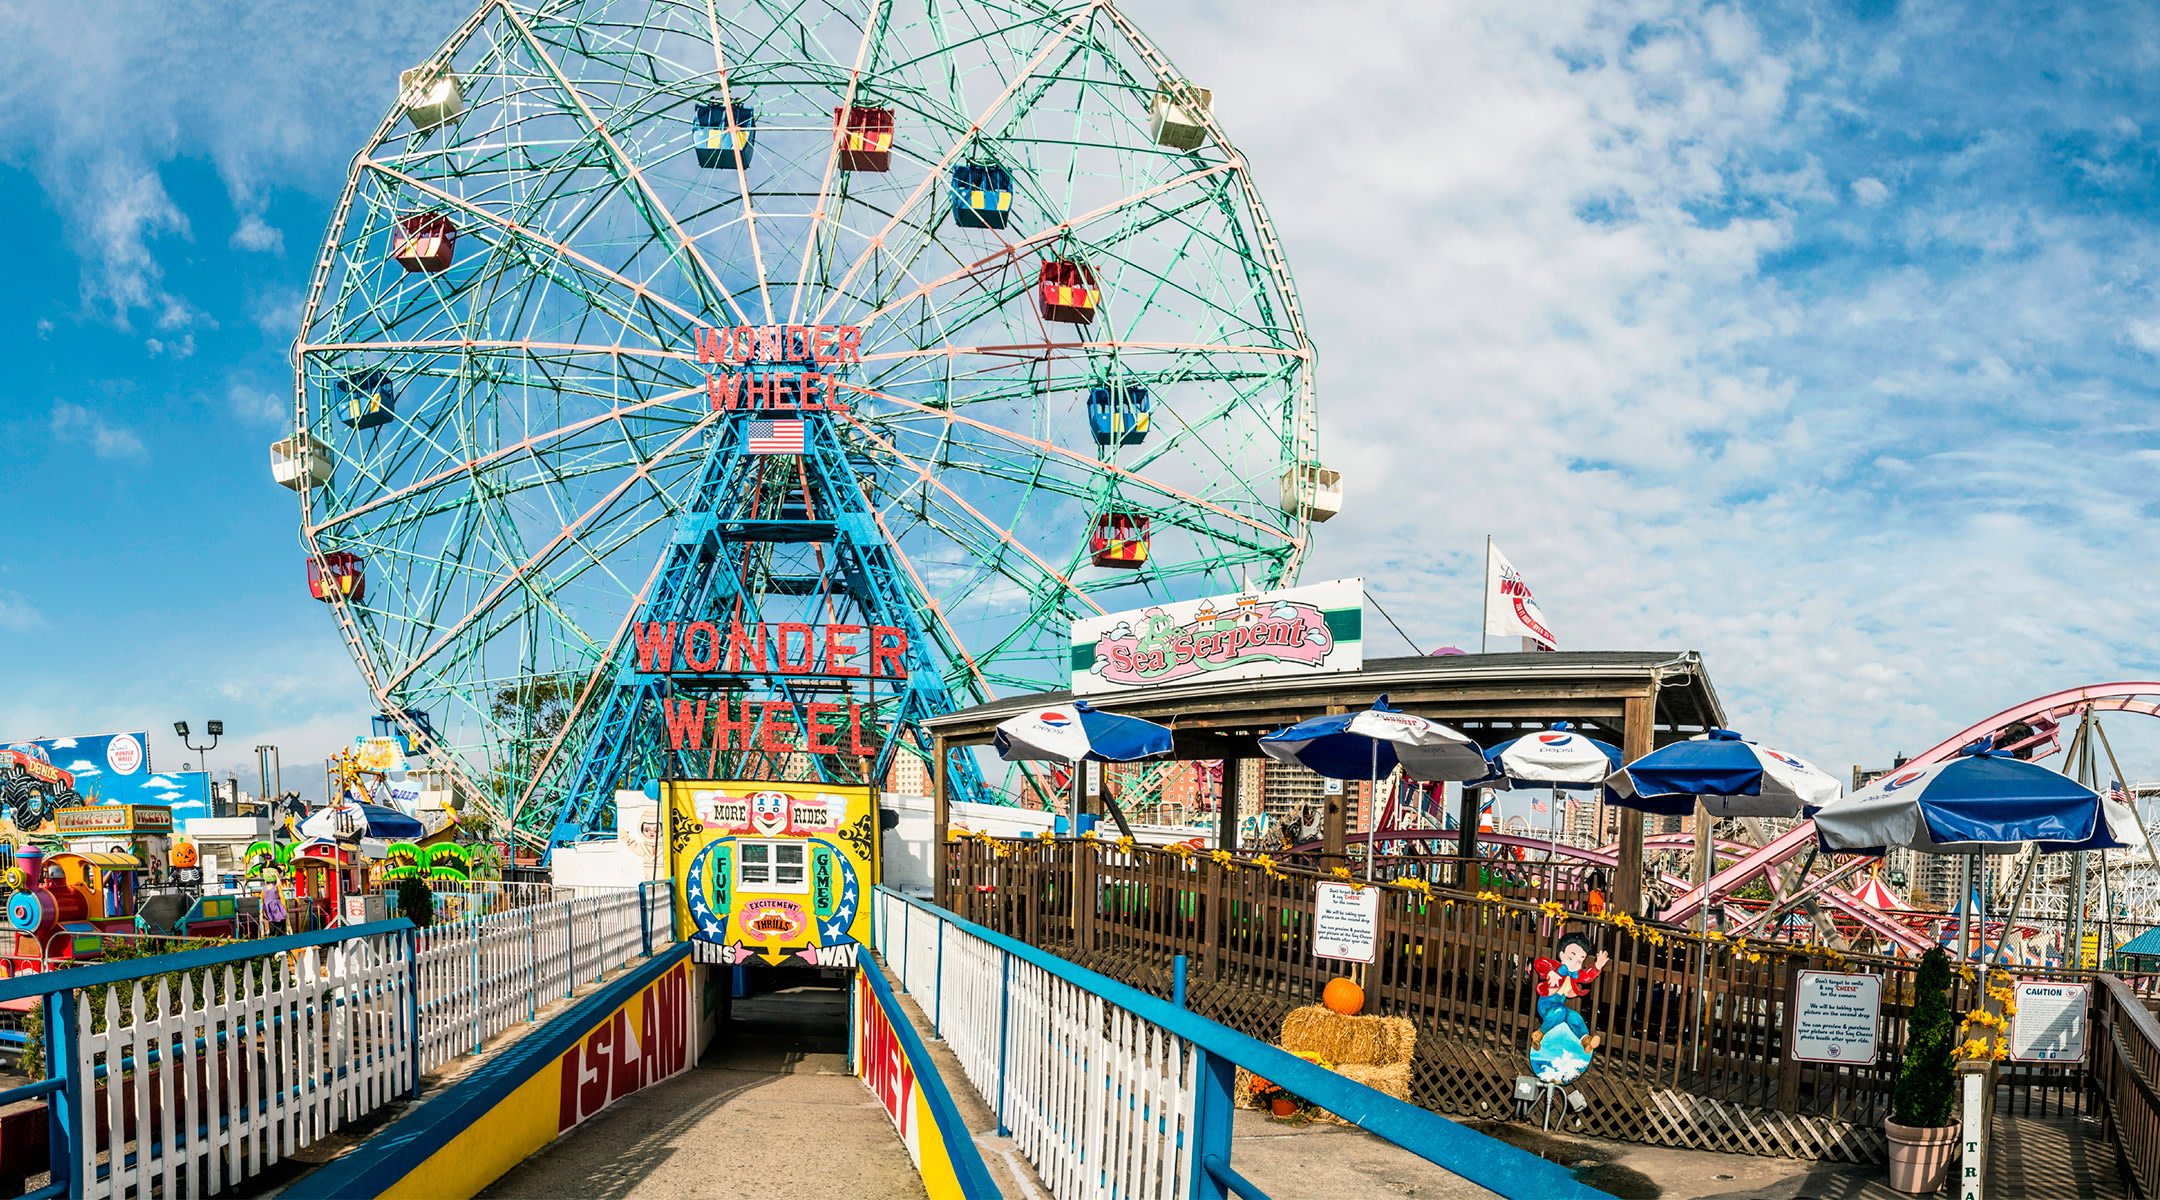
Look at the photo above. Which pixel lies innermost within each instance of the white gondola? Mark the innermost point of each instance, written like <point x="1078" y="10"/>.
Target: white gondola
<point x="299" y="462"/>
<point x="1180" y="121"/>
<point x="431" y="95"/>
<point x="1311" y="491"/>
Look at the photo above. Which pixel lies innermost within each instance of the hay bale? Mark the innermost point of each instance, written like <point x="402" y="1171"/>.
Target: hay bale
<point x="1363" y="1041"/>
<point x="1394" y="1079"/>
<point x="1374" y="1051"/>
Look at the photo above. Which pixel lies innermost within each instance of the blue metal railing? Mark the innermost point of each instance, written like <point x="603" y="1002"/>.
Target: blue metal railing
<point x="1486" y="1161"/>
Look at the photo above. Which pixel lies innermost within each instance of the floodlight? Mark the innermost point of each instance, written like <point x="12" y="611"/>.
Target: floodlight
<point x="217" y="728"/>
<point x="180" y="727"/>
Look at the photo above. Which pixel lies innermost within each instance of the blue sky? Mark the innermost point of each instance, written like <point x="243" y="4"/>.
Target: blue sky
<point x="1819" y="337"/>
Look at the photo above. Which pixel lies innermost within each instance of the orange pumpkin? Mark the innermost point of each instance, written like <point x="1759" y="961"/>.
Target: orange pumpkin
<point x="1344" y="997"/>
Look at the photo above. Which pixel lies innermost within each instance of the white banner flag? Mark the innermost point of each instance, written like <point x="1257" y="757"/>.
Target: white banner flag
<point x="1510" y="610"/>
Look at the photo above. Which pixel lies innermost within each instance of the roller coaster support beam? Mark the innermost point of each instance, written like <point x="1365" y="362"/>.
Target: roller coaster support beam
<point x="2129" y="696"/>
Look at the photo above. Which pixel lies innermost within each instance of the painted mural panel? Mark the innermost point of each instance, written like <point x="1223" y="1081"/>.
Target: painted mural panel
<point x="777" y="872"/>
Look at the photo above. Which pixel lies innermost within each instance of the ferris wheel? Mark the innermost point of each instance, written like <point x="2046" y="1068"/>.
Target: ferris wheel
<point x="1066" y="367"/>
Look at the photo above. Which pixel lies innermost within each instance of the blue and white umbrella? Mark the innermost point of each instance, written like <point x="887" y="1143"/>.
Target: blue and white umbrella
<point x="1979" y="803"/>
<point x="1554" y="758"/>
<point x="1370" y="744"/>
<point x="1073" y="732"/>
<point x="370" y="820"/>
<point x="1733" y="777"/>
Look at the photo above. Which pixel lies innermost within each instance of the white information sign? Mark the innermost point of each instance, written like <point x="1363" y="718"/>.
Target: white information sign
<point x="2049" y="1024"/>
<point x="1346" y="922"/>
<point x="1835" y="1017"/>
<point x="1307" y="630"/>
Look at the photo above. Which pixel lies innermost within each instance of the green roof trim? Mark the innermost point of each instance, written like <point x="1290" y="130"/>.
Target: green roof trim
<point x="1346" y="624"/>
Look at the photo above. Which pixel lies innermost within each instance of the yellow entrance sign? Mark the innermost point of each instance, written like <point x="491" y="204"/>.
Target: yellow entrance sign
<point x="779" y="872"/>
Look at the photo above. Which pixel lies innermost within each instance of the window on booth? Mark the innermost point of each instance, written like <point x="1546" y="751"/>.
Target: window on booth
<point x="772" y="866"/>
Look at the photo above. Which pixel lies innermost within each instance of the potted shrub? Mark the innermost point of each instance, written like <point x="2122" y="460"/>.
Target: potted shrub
<point x="1922" y="1130"/>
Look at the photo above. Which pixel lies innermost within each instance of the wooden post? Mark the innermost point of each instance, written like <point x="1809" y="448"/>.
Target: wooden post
<point x="1226" y="817"/>
<point x="941" y="817"/>
<point x="1473" y="801"/>
<point x="1705" y="849"/>
<point x="1331" y="807"/>
<point x="1789" y="1075"/>
<point x="1331" y="827"/>
<point x="1638" y="736"/>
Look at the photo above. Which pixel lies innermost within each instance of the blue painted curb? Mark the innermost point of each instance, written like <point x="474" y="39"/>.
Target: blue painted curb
<point x="968" y="1165"/>
<point x="1486" y="1161"/>
<point x="389" y="1156"/>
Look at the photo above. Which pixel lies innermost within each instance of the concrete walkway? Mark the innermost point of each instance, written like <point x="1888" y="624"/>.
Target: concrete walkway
<point x="770" y="1114"/>
<point x="2054" y="1158"/>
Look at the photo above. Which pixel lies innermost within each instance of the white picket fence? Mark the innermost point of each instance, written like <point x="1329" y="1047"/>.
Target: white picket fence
<point x="190" y="1087"/>
<point x="482" y="975"/>
<point x="1102" y="1102"/>
<point x="281" y="1051"/>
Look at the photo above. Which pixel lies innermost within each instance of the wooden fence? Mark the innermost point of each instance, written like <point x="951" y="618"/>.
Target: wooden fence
<point x="1693" y="1054"/>
<point x="2125" y="1053"/>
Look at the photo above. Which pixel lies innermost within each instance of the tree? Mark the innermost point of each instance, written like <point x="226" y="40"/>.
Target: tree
<point x="1926" y="1089"/>
<point x="534" y="710"/>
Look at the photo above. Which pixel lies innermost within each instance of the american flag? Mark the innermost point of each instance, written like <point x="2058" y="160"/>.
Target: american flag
<point x="775" y="437"/>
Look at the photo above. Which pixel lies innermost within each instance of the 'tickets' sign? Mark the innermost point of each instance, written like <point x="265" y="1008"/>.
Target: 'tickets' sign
<point x="1835" y="1017"/>
<point x="1296" y="631"/>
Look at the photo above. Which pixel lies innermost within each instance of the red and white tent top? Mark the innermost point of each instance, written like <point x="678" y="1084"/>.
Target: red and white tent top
<point x="1877" y="895"/>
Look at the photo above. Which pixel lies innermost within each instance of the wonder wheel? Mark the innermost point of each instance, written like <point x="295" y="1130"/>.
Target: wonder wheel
<point x="1066" y="369"/>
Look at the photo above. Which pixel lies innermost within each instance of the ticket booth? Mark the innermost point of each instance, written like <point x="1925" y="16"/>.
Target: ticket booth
<point x="142" y="832"/>
<point x="773" y="874"/>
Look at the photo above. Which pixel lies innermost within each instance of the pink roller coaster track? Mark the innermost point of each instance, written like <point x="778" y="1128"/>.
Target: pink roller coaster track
<point x="2043" y="715"/>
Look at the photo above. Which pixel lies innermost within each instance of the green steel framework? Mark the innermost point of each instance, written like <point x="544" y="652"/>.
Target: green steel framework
<point x="549" y="414"/>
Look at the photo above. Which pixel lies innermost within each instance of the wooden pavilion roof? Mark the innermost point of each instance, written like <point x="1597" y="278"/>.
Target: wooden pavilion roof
<point x="1490" y="697"/>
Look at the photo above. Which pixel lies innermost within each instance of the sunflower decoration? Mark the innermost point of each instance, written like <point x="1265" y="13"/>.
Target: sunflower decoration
<point x="1266" y="864"/>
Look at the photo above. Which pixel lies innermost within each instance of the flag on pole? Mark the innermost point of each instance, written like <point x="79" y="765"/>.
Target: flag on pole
<point x="775" y="437"/>
<point x="1510" y="610"/>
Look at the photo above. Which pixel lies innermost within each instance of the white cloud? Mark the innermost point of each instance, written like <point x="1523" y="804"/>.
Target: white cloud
<point x="72" y="424"/>
<point x="1560" y="289"/>
<point x="183" y="348"/>
<point x="44" y="327"/>
<point x="254" y="404"/>
<point x="17" y="614"/>
<point x="256" y="234"/>
<point x="99" y="95"/>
